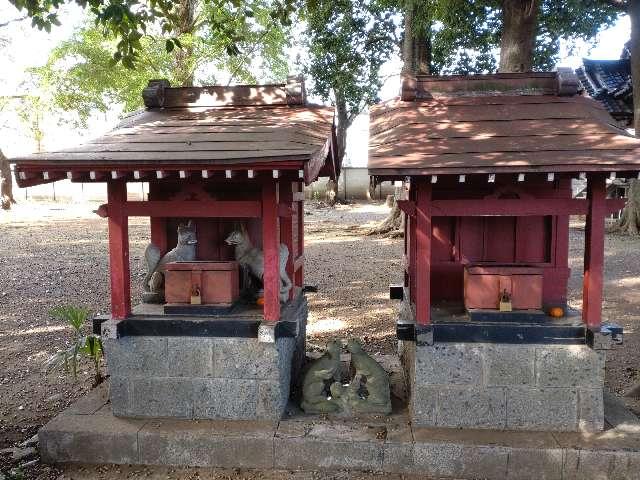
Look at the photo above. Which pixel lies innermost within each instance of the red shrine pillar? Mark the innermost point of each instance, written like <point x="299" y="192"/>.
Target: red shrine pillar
<point x="158" y="224"/>
<point x="286" y="228"/>
<point x="119" y="250"/>
<point x="410" y="225"/>
<point x="423" y="252"/>
<point x="299" y="205"/>
<point x="271" y="247"/>
<point x="594" y="251"/>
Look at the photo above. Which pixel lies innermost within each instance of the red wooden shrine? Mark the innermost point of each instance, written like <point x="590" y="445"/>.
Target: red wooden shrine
<point x="214" y="155"/>
<point x="487" y="163"/>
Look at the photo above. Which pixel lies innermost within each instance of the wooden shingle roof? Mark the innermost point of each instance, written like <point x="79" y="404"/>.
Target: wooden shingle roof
<point x="206" y="128"/>
<point x="496" y="123"/>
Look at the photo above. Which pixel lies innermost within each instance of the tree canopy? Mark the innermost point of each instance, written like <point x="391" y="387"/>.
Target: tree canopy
<point x="80" y="75"/>
<point x="128" y="21"/>
<point x="477" y="36"/>
<point x="348" y="42"/>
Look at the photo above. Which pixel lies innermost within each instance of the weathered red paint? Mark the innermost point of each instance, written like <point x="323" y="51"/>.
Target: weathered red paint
<point x="286" y="227"/>
<point x="201" y="209"/>
<point x="119" y="250"/>
<point x="423" y="252"/>
<point x="594" y="252"/>
<point x="299" y="281"/>
<point x="271" y="247"/>
<point x="217" y="282"/>
<point x="459" y="241"/>
<point x="159" y="233"/>
<point x="483" y="286"/>
<point x="517" y="207"/>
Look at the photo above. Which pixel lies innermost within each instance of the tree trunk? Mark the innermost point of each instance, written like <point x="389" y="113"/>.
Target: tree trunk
<point x="407" y="41"/>
<point x="416" y="45"/>
<point x="517" y="43"/>
<point x="634" y="16"/>
<point x="391" y="224"/>
<point x="6" y="183"/>
<point x="183" y="57"/>
<point x="422" y="53"/>
<point x="630" y="220"/>
<point x="416" y="57"/>
<point x="344" y="122"/>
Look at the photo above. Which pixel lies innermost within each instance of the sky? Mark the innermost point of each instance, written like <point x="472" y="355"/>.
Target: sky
<point x="29" y="47"/>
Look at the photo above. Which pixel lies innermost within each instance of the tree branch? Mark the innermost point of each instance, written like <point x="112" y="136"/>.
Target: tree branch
<point x="19" y="19"/>
<point x="622" y="5"/>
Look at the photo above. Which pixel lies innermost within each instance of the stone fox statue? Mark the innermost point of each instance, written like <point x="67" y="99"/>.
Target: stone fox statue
<point x="377" y="380"/>
<point x="314" y="386"/>
<point x="249" y="256"/>
<point x="185" y="251"/>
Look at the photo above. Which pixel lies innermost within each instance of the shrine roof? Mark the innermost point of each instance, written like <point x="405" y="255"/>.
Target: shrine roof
<point x="534" y="122"/>
<point x="609" y="82"/>
<point x="195" y="128"/>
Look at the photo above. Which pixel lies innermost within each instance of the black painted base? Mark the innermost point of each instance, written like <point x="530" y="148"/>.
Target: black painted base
<point x="517" y="316"/>
<point x="499" y="332"/>
<point x="197" y="310"/>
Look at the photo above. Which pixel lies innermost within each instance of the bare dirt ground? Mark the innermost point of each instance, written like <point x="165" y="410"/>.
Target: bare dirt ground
<point x="52" y="254"/>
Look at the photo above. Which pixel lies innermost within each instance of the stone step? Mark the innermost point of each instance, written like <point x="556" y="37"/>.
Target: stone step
<point x="89" y="433"/>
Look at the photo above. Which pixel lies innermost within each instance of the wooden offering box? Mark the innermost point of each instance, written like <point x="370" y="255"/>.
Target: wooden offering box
<point x="217" y="282"/>
<point x="484" y="284"/>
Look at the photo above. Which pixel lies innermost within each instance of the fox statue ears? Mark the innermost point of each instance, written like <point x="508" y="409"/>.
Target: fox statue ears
<point x="189" y="226"/>
<point x="240" y="227"/>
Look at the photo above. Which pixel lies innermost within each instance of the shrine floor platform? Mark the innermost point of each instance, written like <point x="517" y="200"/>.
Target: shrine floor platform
<point x="88" y="432"/>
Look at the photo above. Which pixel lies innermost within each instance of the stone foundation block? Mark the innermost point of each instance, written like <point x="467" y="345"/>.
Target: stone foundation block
<point x="507" y="365"/>
<point x="505" y="386"/>
<point x="449" y="364"/>
<point x="461" y="461"/>
<point x="554" y="409"/>
<point x="535" y="463"/>
<point x="471" y="408"/>
<point x="225" y="398"/>
<point x="165" y="397"/>
<point x="82" y="434"/>
<point x="207" y="444"/>
<point x="94" y="438"/>
<point x="398" y="455"/>
<point x="569" y="366"/>
<point x="190" y="357"/>
<point x="590" y="410"/>
<point x="301" y="445"/>
<point x="202" y="377"/>
<point x="137" y="356"/>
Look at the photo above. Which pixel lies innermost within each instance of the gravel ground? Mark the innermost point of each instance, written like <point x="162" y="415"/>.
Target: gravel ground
<point x="55" y="254"/>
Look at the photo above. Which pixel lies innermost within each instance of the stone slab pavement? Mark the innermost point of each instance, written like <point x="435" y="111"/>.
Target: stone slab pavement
<point x="88" y="433"/>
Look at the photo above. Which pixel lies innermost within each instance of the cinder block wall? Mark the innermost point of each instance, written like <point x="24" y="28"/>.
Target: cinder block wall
<point x="200" y="378"/>
<point x="506" y="387"/>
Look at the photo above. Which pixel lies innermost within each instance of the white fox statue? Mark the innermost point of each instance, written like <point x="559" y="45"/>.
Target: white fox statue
<point x="185" y="251"/>
<point x="249" y="256"/>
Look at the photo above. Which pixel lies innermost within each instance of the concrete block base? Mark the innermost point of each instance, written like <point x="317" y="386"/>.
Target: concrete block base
<point x="505" y="387"/>
<point x="205" y="377"/>
<point x="89" y="433"/>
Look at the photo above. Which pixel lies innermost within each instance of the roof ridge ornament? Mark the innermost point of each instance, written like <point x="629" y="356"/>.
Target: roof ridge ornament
<point x="409" y="88"/>
<point x="568" y="83"/>
<point x="296" y="91"/>
<point x="153" y="94"/>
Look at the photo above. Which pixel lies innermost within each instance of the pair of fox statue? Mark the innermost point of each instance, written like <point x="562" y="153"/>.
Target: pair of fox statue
<point x="246" y="255"/>
<point x="368" y="392"/>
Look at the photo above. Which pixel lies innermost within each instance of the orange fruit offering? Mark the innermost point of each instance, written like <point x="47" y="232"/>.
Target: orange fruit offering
<point x="556" y="312"/>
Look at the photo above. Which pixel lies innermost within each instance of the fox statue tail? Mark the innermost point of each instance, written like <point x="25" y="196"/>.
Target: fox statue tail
<point x="152" y="257"/>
